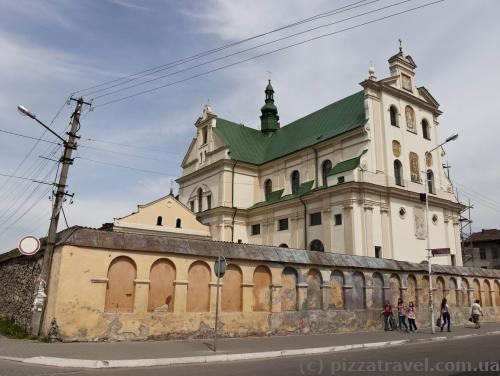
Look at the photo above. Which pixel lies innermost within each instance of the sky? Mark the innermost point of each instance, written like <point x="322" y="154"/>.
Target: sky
<point x="131" y="150"/>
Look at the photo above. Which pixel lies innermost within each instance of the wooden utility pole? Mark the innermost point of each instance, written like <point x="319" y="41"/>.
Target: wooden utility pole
<point x="42" y="288"/>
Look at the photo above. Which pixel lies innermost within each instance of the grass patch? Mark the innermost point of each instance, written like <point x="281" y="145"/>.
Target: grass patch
<point x="10" y="329"/>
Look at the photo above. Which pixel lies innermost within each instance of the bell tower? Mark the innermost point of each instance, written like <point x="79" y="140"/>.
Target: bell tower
<point x="269" y="118"/>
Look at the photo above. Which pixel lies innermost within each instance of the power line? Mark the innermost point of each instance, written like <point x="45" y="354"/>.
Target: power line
<point x="29" y="137"/>
<point x="267" y="53"/>
<point x="124" y="166"/>
<point x="130" y="146"/>
<point x="252" y="48"/>
<point x="171" y="64"/>
<point x="96" y="148"/>
<point x="34" y="146"/>
<point x="23" y="178"/>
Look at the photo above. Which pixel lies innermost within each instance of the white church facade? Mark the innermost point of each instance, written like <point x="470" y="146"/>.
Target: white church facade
<point x="347" y="178"/>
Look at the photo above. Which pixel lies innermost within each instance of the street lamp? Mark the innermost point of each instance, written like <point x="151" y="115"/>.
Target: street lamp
<point x="453" y="137"/>
<point x="24" y="111"/>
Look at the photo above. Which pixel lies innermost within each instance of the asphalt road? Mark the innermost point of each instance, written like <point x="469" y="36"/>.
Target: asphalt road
<point x="466" y="356"/>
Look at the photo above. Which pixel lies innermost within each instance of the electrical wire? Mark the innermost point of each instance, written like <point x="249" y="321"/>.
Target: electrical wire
<point x="123" y="166"/>
<point x="265" y="54"/>
<point x="174" y="63"/>
<point x="250" y="49"/>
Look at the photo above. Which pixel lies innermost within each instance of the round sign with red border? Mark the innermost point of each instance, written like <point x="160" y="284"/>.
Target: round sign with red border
<point x="29" y="245"/>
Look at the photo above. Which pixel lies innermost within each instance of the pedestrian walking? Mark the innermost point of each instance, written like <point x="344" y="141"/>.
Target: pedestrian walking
<point x="476" y="311"/>
<point x="387" y="313"/>
<point x="411" y="317"/>
<point x="402" y="315"/>
<point x="445" y="314"/>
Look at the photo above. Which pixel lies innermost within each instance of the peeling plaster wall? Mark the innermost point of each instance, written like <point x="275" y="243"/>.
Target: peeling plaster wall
<point x="304" y="292"/>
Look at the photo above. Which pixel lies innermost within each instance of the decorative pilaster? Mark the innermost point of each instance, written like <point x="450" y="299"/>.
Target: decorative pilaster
<point x="141" y="295"/>
<point x="180" y="300"/>
<point x="247" y="296"/>
<point x="276" y="297"/>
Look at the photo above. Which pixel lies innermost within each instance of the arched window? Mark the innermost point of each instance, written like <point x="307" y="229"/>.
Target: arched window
<point x="159" y="220"/>
<point x="414" y="168"/>
<point x="425" y="291"/>
<point x="283" y="245"/>
<point x="314" y="299"/>
<point x="120" y="289"/>
<point x="161" y="286"/>
<point x="232" y="291"/>
<point x="262" y="289"/>
<point x="398" y="172"/>
<point x="316" y="245"/>
<point x="410" y="119"/>
<point x="337" y="290"/>
<point x="178" y="223"/>
<point x="198" y="292"/>
<point x="395" y="289"/>
<point x="325" y="169"/>
<point x="268" y="189"/>
<point x="465" y="293"/>
<point x="453" y="292"/>
<point x="487" y="293"/>
<point x="377" y="290"/>
<point x="393" y="112"/>
<point x="289" y="294"/>
<point x="411" y="290"/>
<point x="200" y="200"/>
<point x="358" y="291"/>
<point x="439" y="290"/>
<point x="497" y="293"/>
<point x="295" y="181"/>
<point x="425" y="130"/>
<point x="430" y="182"/>
<point x="477" y="291"/>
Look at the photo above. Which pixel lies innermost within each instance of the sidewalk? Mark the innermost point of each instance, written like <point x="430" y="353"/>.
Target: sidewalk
<point x="140" y="354"/>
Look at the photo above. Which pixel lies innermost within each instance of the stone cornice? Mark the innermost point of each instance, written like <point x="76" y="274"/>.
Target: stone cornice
<point x="101" y="240"/>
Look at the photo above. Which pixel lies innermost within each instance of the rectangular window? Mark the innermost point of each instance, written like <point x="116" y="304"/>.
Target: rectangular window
<point x="494" y="253"/>
<point x="338" y="219"/>
<point x="209" y="202"/>
<point x="283" y="224"/>
<point x="256" y="229"/>
<point x="204" y="132"/>
<point x="482" y="253"/>
<point x="315" y="219"/>
<point x="340" y="180"/>
<point x="378" y="252"/>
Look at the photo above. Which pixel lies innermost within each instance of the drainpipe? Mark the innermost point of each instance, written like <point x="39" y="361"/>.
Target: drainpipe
<point x="232" y="200"/>
<point x="305" y="222"/>
<point x="316" y="166"/>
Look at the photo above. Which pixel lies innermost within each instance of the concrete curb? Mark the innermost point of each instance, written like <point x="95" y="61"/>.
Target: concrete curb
<point x="132" y="363"/>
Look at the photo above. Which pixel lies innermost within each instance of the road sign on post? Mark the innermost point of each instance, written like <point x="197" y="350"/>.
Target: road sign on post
<point x="219" y="270"/>
<point x="29" y="245"/>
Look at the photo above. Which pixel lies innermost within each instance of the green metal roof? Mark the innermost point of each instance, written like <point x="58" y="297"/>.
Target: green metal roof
<point x="275" y="196"/>
<point x="347" y="165"/>
<point x="253" y="146"/>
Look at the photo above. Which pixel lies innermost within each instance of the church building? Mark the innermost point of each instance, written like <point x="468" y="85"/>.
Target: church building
<point x="347" y="178"/>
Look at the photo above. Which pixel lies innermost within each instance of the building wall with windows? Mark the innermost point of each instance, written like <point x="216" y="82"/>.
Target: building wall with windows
<point x="482" y="249"/>
<point x="165" y="215"/>
<point x="395" y="122"/>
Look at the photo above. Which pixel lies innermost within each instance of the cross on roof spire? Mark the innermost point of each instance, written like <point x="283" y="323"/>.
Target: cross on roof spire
<point x="400" y="46"/>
